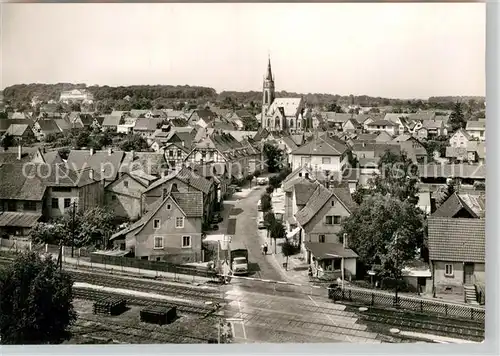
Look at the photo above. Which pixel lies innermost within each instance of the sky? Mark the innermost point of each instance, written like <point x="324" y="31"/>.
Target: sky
<point x="390" y="50"/>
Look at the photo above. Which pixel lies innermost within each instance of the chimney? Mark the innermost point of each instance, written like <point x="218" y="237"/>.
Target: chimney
<point x="91" y="173"/>
<point x="91" y="151"/>
<point x="182" y="143"/>
<point x="364" y="144"/>
<point x="110" y="151"/>
<point x="345" y="242"/>
<point x="19" y="152"/>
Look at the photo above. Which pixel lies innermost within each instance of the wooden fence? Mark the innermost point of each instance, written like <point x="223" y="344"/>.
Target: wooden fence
<point x="429" y="307"/>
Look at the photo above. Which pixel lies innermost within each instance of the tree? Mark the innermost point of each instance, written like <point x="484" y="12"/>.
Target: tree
<point x="81" y="140"/>
<point x="372" y="229"/>
<point x="3" y="115"/>
<point x="274" y="157"/>
<point x="91" y="228"/>
<point x="288" y="249"/>
<point x="134" y="142"/>
<point x="8" y="141"/>
<point x="250" y="124"/>
<point x="277" y="231"/>
<point x="265" y="201"/>
<point x="334" y="107"/>
<point x="457" y="117"/>
<point x="352" y="159"/>
<point x="75" y="107"/>
<point x="36" y="304"/>
<point x="398" y="177"/>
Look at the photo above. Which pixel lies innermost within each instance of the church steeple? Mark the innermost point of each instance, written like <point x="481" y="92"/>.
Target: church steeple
<point x="269" y="75"/>
<point x="267" y="94"/>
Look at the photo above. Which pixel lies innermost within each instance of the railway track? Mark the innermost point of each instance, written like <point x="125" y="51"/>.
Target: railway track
<point x="109" y="328"/>
<point x="379" y="319"/>
<point x="117" y="281"/>
<point x="94" y="295"/>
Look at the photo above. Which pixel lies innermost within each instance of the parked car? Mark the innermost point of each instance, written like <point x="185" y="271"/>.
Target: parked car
<point x="214" y="227"/>
<point x="262" y="180"/>
<point x="238" y="189"/>
<point x="262" y="225"/>
<point x="259" y="206"/>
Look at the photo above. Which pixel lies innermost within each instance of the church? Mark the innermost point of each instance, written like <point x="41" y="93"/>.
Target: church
<point x="282" y="114"/>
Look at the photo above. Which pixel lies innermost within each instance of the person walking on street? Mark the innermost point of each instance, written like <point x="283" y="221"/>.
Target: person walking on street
<point x="265" y="248"/>
<point x="262" y="248"/>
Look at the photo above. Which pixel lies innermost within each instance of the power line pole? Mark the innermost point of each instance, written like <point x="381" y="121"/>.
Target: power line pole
<point x="73" y="230"/>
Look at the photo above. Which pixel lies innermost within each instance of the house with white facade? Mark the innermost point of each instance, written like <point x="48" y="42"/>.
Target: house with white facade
<point x="476" y="129"/>
<point x="383" y="126"/>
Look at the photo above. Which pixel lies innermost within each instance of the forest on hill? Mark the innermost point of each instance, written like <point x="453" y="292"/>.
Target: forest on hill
<point x="169" y="96"/>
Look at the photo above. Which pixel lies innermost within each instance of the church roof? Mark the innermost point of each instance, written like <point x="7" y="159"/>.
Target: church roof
<point x="291" y="106"/>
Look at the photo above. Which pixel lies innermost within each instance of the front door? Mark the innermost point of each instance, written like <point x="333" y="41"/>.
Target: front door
<point x="468" y="273"/>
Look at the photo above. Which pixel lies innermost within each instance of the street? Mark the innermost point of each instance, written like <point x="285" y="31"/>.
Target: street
<point x="262" y="311"/>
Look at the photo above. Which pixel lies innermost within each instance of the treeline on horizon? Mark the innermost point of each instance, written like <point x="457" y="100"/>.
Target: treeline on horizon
<point x="164" y="94"/>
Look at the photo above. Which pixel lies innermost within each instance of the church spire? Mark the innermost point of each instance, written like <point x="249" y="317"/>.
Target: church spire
<point x="269" y="75"/>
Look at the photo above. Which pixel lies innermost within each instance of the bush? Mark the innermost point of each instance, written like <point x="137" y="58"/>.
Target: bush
<point x="266" y="202"/>
<point x="256" y="173"/>
<point x="269" y="189"/>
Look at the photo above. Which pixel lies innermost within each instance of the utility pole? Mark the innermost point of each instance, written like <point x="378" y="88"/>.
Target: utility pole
<point x="73" y="230"/>
<point x="396" y="302"/>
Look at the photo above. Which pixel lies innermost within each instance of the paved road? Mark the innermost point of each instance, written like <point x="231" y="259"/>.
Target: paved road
<point x="263" y="317"/>
<point x="245" y="213"/>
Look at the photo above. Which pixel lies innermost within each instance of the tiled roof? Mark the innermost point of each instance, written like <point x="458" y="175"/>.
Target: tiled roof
<point x="179" y="122"/>
<point x="382" y="123"/>
<point x="422" y="116"/>
<point x="241" y="135"/>
<point x="456" y="240"/>
<point x="322" y="146"/>
<point x="289" y="142"/>
<point x="18" y="219"/>
<point x="394" y="117"/>
<point x="19" y="186"/>
<point x="478" y="147"/>
<point x="63" y="124"/>
<point x="328" y="250"/>
<point x="206" y="115"/>
<point x="151" y="163"/>
<point x="476" y="125"/>
<point x="317" y="200"/>
<point x="303" y="190"/>
<point x="451" y="207"/>
<point x="79" y="159"/>
<point x="289" y="106"/>
<point x="336" y="117"/>
<point x="111" y="121"/>
<point x="145" y="124"/>
<point x="11" y="155"/>
<point x="17" y="130"/>
<point x="191" y="203"/>
<point x="48" y="126"/>
<point x="187" y="176"/>
<point x="433" y="124"/>
<point x="343" y="194"/>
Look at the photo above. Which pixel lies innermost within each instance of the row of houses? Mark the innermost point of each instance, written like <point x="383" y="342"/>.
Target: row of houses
<point x="421" y="126"/>
<point x="315" y="209"/>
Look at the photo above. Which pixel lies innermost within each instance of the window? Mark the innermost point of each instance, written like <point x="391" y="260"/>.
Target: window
<point x="325" y="160"/>
<point x="113" y="197"/>
<point x="329" y="220"/>
<point x="169" y="206"/>
<point x="337" y="264"/>
<point x="179" y="153"/>
<point x="186" y="241"/>
<point x="322" y="238"/>
<point x="55" y="203"/>
<point x="171" y="153"/>
<point x="448" y="270"/>
<point x="300" y="174"/>
<point x="156" y="223"/>
<point x="67" y="203"/>
<point x="333" y="202"/>
<point x="179" y="222"/>
<point x="336" y="220"/>
<point x="125" y="183"/>
<point x="30" y="205"/>
<point x="307" y="175"/>
<point x="158" y="242"/>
